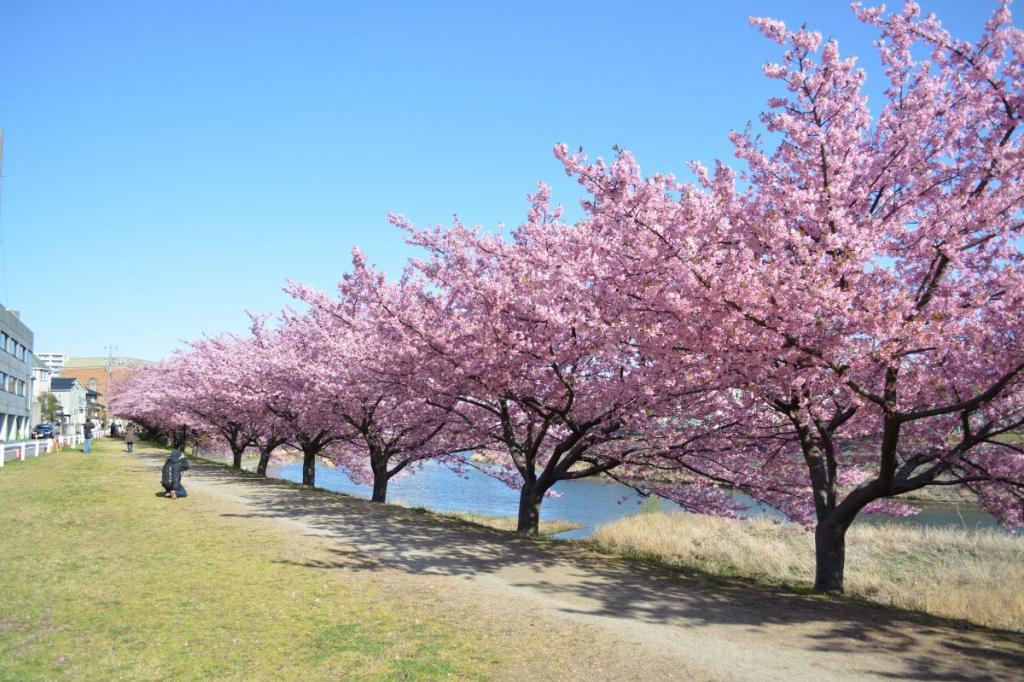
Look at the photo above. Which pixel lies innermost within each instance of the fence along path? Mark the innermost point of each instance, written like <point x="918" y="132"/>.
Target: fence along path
<point x="20" y="450"/>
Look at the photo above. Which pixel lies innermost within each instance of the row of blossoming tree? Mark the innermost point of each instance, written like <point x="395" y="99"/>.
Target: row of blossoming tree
<point x="834" y="325"/>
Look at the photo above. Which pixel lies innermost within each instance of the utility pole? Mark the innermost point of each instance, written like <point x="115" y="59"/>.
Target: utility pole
<point x="110" y="362"/>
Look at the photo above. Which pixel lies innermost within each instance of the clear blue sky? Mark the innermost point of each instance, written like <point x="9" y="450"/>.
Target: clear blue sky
<point x="168" y="165"/>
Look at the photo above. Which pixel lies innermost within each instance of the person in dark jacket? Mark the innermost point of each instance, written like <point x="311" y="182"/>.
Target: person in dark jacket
<point x="87" y="433"/>
<point x="171" y="476"/>
<point x="129" y="436"/>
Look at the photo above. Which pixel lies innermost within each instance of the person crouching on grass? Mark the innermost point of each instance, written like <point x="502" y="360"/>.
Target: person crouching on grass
<point x="171" y="475"/>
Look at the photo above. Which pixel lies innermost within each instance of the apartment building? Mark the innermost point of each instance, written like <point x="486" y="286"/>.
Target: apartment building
<point x="16" y="341"/>
<point x="55" y="361"/>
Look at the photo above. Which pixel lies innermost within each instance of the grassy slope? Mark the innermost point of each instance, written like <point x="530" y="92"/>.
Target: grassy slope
<point x="974" y="576"/>
<point x="99" y="578"/>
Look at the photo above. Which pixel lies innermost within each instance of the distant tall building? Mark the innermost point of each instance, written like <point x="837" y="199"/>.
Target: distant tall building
<point x="55" y="361"/>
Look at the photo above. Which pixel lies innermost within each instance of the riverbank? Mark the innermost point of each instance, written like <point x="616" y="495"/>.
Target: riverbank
<point x="507" y="523"/>
<point x="970" y="575"/>
<point x="896" y="562"/>
<point x="642" y="622"/>
<point x="255" y="578"/>
<point x="588" y="503"/>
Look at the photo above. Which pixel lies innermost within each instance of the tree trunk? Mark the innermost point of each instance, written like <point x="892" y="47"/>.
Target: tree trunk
<point x="261" y="468"/>
<point x="530" y="497"/>
<point x="380" y="487"/>
<point x="830" y="557"/>
<point x="308" y="468"/>
<point x="236" y="457"/>
<point x="180" y="438"/>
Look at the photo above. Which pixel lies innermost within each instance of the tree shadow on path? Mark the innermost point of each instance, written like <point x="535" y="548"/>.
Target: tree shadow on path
<point x="862" y="639"/>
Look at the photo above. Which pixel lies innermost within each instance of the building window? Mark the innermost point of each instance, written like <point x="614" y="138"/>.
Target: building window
<point x="21" y="387"/>
<point x="12" y="384"/>
<point x="11" y="343"/>
<point x="3" y="340"/>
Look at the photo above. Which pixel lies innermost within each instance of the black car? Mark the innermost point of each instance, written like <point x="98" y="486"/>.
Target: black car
<point x="44" y="430"/>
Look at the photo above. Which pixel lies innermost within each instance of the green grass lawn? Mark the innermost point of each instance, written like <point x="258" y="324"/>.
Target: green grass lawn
<point x="102" y="579"/>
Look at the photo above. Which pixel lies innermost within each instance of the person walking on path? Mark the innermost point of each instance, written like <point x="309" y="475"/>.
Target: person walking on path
<point x="170" y="478"/>
<point x="129" y="436"/>
<point x="56" y="440"/>
<point x="87" y="431"/>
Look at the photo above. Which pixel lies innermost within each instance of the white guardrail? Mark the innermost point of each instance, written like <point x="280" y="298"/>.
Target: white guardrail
<point x="33" y="448"/>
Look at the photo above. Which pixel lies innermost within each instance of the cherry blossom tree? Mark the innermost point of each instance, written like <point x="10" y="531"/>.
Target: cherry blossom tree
<point x="201" y="389"/>
<point x="152" y="397"/>
<point x="245" y="396"/>
<point x="136" y="399"/>
<point x="215" y="394"/>
<point x="387" y="427"/>
<point x="271" y="434"/>
<point x="862" y="291"/>
<point x="834" y="325"/>
<point x="295" y="389"/>
<point x="516" y="341"/>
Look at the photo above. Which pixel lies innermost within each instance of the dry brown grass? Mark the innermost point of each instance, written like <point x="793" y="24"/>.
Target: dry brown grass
<point x="977" y="576"/>
<point x="506" y="523"/>
<point x="509" y="522"/>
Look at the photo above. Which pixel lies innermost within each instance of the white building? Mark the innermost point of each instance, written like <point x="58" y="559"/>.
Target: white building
<point x="72" y="396"/>
<point x="41" y="375"/>
<point x="55" y="361"/>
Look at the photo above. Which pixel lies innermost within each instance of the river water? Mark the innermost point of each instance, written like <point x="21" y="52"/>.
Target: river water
<point x="588" y="502"/>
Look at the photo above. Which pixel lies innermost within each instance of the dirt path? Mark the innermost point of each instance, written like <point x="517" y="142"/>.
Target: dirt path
<point x="661" y="624"/>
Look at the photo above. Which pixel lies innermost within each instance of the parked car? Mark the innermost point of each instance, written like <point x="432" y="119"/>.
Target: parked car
<point x="44" y="430"/>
